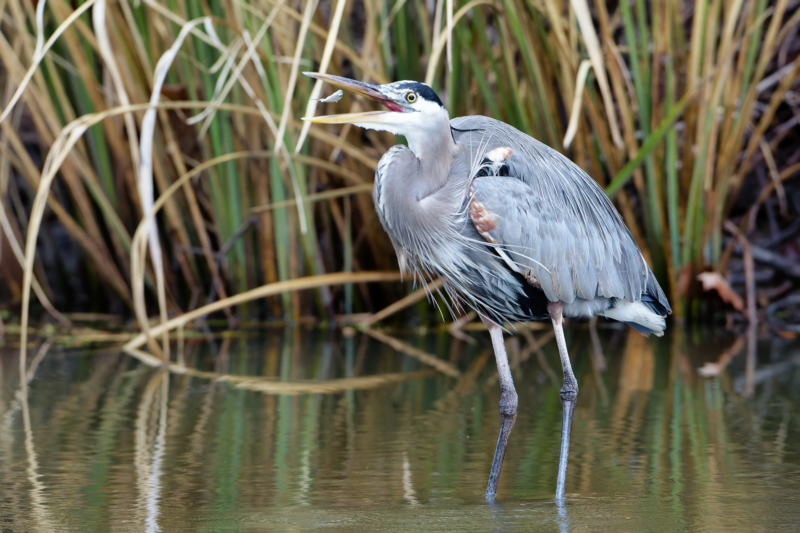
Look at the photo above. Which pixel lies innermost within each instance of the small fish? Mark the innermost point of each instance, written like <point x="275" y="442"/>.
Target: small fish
<point x="332" y="99"/>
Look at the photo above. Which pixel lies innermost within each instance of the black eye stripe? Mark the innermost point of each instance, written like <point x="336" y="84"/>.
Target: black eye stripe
<point x="422" y="91"/>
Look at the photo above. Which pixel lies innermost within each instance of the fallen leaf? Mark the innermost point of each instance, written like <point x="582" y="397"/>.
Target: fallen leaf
<point x="716" y="281"/>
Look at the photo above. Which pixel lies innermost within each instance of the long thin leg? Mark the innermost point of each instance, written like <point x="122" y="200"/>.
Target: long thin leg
<point x="508" y="405"/>
<point x="569" y="395"/>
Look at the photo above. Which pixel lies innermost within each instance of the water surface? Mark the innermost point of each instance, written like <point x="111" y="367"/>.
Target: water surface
<point x="347" y="434"/>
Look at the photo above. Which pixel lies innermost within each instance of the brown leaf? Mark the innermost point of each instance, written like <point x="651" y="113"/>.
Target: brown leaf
<point x="716" y="281"/>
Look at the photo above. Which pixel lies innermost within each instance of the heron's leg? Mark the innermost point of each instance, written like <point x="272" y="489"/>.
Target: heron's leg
<point x="569" y="395"/>
<point x="508" y="405"/>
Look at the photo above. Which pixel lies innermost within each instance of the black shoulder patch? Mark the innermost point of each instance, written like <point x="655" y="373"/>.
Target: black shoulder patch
<point x="492" y="168"/>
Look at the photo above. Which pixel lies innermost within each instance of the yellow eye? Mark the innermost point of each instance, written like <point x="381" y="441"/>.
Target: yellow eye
<point x="411" y="98"/>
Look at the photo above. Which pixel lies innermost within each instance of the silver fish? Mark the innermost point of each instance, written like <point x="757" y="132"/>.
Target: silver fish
<point x="332" y="99"/>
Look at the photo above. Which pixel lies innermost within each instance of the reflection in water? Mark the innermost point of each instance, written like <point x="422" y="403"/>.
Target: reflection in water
<point x="408" y="488"/>
<point x="313" y="430"/>
<point x="40" y="514"/>
<point x="9" y="407"/>
<point x="563" y="517"/>
<point x="152" y="414"/>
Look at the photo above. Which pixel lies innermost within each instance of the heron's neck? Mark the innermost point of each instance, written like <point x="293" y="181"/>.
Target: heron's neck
<point x="435" y="149"/>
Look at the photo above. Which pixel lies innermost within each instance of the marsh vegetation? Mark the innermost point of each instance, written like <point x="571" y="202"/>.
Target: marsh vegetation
<point x="686" y="112"/>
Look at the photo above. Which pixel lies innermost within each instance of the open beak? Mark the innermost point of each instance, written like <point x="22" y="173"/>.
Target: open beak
<point x="373" y="92"/>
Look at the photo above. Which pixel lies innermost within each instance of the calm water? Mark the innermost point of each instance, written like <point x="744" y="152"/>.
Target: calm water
<point x="347" y="434"/>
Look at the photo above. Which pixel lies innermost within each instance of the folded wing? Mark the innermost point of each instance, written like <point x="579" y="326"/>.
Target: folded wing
<point x="551" y="222"/>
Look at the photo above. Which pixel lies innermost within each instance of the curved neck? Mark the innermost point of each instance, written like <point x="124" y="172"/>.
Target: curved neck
<point x="435" y="149"/>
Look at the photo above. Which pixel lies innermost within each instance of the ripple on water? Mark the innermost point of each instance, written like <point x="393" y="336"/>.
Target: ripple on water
<point x="113" y="445"/>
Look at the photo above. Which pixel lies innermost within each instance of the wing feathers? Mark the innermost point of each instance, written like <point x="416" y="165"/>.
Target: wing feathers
<point x="557" y="240"/>
<point x="554" y="221"/>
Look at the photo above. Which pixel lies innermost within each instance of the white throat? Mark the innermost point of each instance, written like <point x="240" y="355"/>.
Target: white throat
<point x="427" y="130"/>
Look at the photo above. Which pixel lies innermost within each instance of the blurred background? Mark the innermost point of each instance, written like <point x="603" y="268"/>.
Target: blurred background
<point x="686" y="112"/>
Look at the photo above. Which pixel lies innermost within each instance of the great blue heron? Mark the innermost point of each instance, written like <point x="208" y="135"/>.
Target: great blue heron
<point x="514" y="229"/>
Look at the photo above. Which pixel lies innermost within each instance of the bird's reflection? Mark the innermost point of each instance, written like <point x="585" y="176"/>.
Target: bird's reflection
<point x="357" y="421"/>
<point x="563" y="517"/>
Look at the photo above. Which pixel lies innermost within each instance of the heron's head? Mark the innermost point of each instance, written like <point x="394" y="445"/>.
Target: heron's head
<point x="412" y="110"/>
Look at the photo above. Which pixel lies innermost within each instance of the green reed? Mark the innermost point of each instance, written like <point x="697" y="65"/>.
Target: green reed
<point x="514" y="60"/>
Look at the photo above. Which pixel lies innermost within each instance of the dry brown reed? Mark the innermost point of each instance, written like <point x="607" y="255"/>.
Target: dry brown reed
<point x="669" y="105"/>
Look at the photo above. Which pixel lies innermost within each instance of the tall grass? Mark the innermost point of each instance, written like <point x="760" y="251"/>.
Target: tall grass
<point x="675" y="106"/>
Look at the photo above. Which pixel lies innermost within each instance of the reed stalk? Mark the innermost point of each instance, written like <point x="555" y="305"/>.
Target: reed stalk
<point x="673" y="107"/>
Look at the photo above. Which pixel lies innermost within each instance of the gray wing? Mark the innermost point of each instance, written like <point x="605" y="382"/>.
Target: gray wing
<point x="553" y="222"/>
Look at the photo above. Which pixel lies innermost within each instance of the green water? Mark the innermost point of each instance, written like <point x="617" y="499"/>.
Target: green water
<point x="105" y="443"/>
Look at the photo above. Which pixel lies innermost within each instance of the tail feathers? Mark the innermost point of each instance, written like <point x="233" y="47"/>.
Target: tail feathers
<point x="655" y="298"/>
<point x="639" y="315"/>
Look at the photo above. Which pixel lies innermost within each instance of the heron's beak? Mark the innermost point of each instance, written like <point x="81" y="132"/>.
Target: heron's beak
<point x="373" y="92"/>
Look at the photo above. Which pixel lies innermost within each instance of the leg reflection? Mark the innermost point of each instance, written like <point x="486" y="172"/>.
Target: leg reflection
<point x="563" y="517"/>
